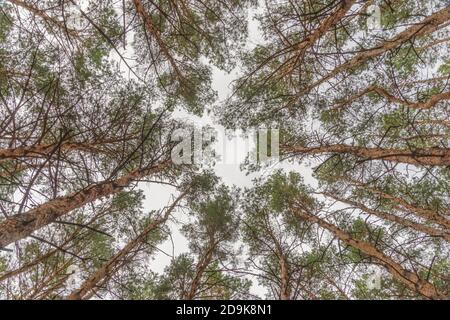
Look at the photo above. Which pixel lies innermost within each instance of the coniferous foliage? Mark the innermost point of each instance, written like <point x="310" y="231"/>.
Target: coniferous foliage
<point x="91" y="92"/>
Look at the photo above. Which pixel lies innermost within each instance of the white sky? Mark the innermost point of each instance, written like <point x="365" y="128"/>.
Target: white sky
<point x="158" y="196"/>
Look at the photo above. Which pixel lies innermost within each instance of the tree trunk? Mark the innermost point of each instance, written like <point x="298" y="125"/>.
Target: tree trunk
<point x="393" y="218"/>
<point x="24" y="224"/>
<point x="428" y="104"/>
<point x="403" y="205"/>
<point x="63" y="246"/>
<point x="113" y="265"/>
<point x="424" y="156"/>
<point x="42" y="14"/>
<point x="200" y="270"/>
<point x="408" y="278"/>
<point x="327" y="24"/>
<point x="285" y="289"/>
<point x="43" y="150"/>
<point x="147" y="19"/>
<point x="425" y="27"/>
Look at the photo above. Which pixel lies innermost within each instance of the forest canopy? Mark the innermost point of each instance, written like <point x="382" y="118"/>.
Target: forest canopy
<point x="356" y="207"/>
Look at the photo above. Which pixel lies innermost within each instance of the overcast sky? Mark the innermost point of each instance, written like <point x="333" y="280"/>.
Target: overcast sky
<point x="158" y="196"/>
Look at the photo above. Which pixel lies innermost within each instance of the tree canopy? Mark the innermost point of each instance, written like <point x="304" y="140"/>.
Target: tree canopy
<point x="90" y="95"/>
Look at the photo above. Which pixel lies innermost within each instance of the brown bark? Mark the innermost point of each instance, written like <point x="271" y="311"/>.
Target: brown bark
<point x="200" y="270"/>
<point x="435" y="79"/>
<point x="40" y="150"/>
<point x="42" y="14"/>
<point x="285" y="286"/>
<point x="146" y="18"/>
<point x="408" y="278"/>
<point x="103" y="274"/>
<point x="24" y="224"/>
<point x="300" y="47"/>
<point x="46" y="282"/>
<point x="393" y="218"/>
<point x="335" y="285"/>
<point x="64" y="246"/>
<point x="445" y="123"/>
<point x="285" y="289"/>
<point x="424" y="213"/>
<point x="433" y="43"/>
<point x="430" y="103"/>
<point x="325" y="26"/>
<point x="425" y="27"/>
<point x="424" y="156"/>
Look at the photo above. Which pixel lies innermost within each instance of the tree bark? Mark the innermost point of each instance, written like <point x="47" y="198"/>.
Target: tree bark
<point x="113" y="265"/>
<point x="200" y="270"/>
<point x="147" y="19"/>
<point x="403" y="205"/>
<point x="393" y="218"/>
<point x="285" y="286"/>
<point x="42" y="14"/>
<point x="285" y="289"/>
<point x="24" y="224"/>
<point x="40" y="150"/>
<point x="425" y="27"/>
<point x="326" y="25"/>
<point x="424" y="156"/>
<point x="408" y="278"/>
<point x="64" y="245"/>
<point x="426" y="105"/>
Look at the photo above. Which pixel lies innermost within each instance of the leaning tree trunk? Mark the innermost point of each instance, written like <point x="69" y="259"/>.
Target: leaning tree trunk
<point x="148" y="24"/>
<point x="402" y="204"/>
<point x="103" y="274"/>
<point x="425" y="105"/>
<point x="43" y="15"/>
<point x="205" y="260"/>
<point x="44" y="150"/>
<point x="408" y="278"/>
<point x="24" y="224"/>
<point x="420" y="156"/>
<point x="326" y="25"/>
<point x="26" y="267"/>
<point x="425" y="27"/>
<point x="396" y="219"/>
